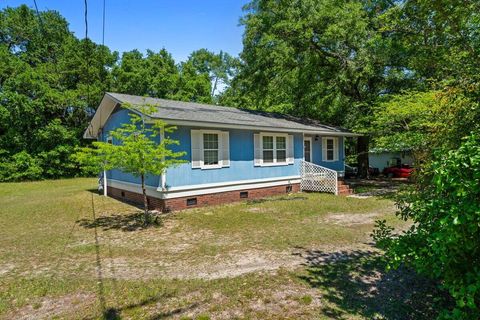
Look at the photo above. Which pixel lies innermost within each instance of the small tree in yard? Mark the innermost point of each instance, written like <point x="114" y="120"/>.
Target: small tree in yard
<point x="135" y="151"/>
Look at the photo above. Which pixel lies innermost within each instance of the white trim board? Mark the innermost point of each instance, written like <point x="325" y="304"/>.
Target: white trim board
<point x="230" y="183"/>
<point x="199" y="192"/>
<point x="202" y="189"/>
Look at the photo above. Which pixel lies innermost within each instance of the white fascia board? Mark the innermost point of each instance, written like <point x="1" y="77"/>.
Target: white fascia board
<point x="205" y="124"/>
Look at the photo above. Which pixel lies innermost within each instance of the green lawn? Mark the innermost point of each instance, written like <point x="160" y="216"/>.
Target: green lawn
<point x="66" y="252"/>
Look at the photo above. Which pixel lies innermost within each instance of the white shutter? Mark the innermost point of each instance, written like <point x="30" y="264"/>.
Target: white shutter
<point x="225" y="148"/>
<point x="335" y="149"/>
<point x="197" y="148"/>
<point x="324" y="149"/>
<point x="290" y="151"/>
<point x="257" y="147"/>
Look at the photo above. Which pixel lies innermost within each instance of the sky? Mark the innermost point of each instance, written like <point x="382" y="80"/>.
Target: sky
<point x="180" y="26"/>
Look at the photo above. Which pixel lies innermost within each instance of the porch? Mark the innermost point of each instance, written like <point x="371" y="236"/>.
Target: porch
<point x="316" y="178"/>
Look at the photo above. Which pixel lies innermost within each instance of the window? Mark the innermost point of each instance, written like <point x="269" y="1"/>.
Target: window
<point x="281" y="149"/>
<point x="243" y="194"/>
<point x="110" y="140"/>
<point x="210" y="149"/>
<point x="267" y="149"/>
<point x="330" y="149"/>
<point x="273" y="149"/>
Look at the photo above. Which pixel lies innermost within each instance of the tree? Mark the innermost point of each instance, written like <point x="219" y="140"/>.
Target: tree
<point x="220" y="68"/>
<point x="323" y="59"/>
<point x="134" y="150"/>
<point x="50" y="83"/>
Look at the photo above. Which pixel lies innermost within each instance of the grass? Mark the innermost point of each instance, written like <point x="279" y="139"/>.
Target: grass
<point x="67" y="252"/>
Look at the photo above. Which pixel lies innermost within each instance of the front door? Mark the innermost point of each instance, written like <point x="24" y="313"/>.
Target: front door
<point x="307" y="149"/>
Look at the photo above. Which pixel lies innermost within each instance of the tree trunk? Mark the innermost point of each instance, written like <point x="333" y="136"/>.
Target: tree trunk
<point x="145" y="201"/>
<point x="214" y="86"/>
<point x="362" y="156"/>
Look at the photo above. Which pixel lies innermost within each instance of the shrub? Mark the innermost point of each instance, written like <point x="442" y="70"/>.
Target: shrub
<point x="21" y="166"/>
<point x="444" y="240"/>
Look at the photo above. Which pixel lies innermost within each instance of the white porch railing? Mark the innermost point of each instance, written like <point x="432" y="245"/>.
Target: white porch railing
<point x="318" y="178"/>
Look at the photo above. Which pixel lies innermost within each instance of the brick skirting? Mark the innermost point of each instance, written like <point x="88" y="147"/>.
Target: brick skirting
<point x="175" y="204"/>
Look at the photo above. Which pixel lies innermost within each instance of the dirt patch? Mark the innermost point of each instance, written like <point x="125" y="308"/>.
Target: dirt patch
<point x="50" y="307"/>
<point x="351" y="219"/>
<point x="6" y="268"/>
<point x="240" y="263"/>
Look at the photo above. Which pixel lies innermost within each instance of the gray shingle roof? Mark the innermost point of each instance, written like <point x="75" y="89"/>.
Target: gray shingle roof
<point x="198" y="112"/>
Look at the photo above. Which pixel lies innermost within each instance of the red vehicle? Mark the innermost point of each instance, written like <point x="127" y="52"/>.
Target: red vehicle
<point x="399" y="171"/>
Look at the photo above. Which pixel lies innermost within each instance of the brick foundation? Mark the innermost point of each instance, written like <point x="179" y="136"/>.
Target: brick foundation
<point x="175" y="204"/>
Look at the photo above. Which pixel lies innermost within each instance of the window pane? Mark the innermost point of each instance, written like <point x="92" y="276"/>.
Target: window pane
<point x="281" y="156"/>
<point x="281" y="143"/>
<point x="330" y="144"/>
<point x="210" y="141"/>
<point x="267" y="143"/>
<point x="210" y="157"/>
<point x="329" y="154"/>
<point x="268" y="156"/>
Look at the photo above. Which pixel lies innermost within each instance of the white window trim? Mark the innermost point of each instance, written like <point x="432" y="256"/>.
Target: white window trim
<point x="335" y="149"/>
<point x="219" y="149"/>
<point x="309" y="139"/>
<point x="197" y="150"/>
<point x="274" y="135"/>
<point x="219" y="164"/>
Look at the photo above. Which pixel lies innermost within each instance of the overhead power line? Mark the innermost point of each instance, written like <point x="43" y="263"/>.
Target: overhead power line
<point x="103" y="25"/>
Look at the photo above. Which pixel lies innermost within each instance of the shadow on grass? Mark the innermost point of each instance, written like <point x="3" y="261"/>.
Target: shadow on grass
<point x="356" y="282"/>
<point x="115" y="313"/>
<point x="124" y="222"/>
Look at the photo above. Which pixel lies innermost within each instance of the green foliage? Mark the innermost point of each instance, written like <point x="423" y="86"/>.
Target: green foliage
<point x="51" y="82"/>
<point x="221" y="68"/>
<point x="444" y="240"/>
<point x="323" y="59"/>
<point x="382" y="234"/>
<point x="134" y="150"/>
<point x="21" y="166"/>
<point x="405" y="121"/>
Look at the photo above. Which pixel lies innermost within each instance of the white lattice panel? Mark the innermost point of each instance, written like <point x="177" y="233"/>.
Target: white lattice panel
<point x="318" y="178"/>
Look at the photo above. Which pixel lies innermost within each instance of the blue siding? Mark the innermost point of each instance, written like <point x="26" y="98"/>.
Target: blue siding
<point x="115" y="121"/>
<point x="317" y="155"/>
<point x="241" y="158"/>
<point x="241" y="161"/>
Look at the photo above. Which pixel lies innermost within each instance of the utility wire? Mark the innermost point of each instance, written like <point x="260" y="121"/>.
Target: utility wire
<point x="87" y="53"/>
<point x="103" y="27"/>
<point x="38" y="15"/>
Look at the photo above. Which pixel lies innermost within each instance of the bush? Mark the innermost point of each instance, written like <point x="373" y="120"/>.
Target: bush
<point x="444" y="240"/>
<point x="21" y="166"/>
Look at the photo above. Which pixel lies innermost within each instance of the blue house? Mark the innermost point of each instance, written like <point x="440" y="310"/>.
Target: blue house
<point x="231" y="153"/>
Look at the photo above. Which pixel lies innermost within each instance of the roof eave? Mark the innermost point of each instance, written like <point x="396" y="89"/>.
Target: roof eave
<point x="207" y="124"/>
